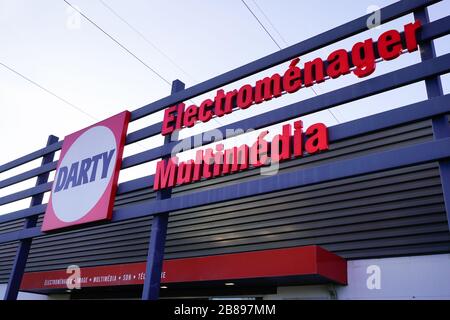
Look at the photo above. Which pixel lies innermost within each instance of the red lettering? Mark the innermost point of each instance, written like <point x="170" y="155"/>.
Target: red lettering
<point x="338" y="64"/>
<point x="410" y="35"/>
<point x="292" y="77"/>
<point x="281" y="145"/>
<point x="242" y="162"/>
<point x="198" y="165"/>
<point x="317" y="138"/>
<point x="167" y="126"/>
<point x="166" y="171"/>
<point x="184" y="172"/>
<point x="235" y="159"/>
<point x="313" y="71"/>
<point x="230" y="157"/>
<point x="363" y="58"/>
<point x="218" y="160"/>
<point x="390" y="45"/>
<point x="208" y="164"/>
<point x="208" y="160"/>
<point x="267" y="88"/>
<point x="180" y="112"/>
<point x="298" y="138"/>
<point x="190" y="116"/>
<point x="259" y="151"/>
<point x="244" y="97"/>
<point x="218" y="101"/>
<point x="229" y="101"/>
<point x="205" y="114"/>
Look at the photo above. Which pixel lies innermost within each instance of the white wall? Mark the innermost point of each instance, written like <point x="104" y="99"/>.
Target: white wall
<point x="416" y="277"/>
<point x="319" y="292"/>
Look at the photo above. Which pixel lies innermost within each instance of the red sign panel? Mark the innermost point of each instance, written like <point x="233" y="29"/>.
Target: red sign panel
<point x="277" y="263"/>
<point x="86" y="175"/>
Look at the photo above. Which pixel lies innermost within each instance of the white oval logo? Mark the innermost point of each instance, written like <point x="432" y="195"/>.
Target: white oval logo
<point x="84" y="174"/>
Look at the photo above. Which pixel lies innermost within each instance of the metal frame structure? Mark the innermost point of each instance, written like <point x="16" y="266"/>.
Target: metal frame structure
<point x="436" y="107"/>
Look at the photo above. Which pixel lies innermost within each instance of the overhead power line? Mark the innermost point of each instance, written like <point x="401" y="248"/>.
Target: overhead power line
<point x="261" y="24"/>
<point x="270" y="22"/>
<point x="55" y="95"/>
<point x="274" y="41"/>
<point x="118" y="43"/>
<point x="143" y="37"/>
<point x="48" y="91"/>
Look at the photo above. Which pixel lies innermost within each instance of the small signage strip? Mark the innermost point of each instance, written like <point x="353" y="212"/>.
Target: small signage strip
<point x="86" y="175"/>
<point x="297" y="263"/>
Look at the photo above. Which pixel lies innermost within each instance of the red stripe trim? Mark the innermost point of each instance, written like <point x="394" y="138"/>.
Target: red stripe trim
<point x="298" y="261"/>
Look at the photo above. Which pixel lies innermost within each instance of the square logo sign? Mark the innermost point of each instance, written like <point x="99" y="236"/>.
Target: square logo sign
<point x="87" y="173"/>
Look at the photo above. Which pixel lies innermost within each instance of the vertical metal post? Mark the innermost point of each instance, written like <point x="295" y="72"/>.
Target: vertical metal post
<point x="440" y="124"/>
<point x="158" y="233"/>
<point x="23" y="249"/>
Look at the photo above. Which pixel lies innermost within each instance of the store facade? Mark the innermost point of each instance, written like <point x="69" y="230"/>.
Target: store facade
<point x="358" y="210"/>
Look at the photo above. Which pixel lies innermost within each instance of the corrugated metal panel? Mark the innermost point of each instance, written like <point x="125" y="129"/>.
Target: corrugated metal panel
<point x="398" y="212"/>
